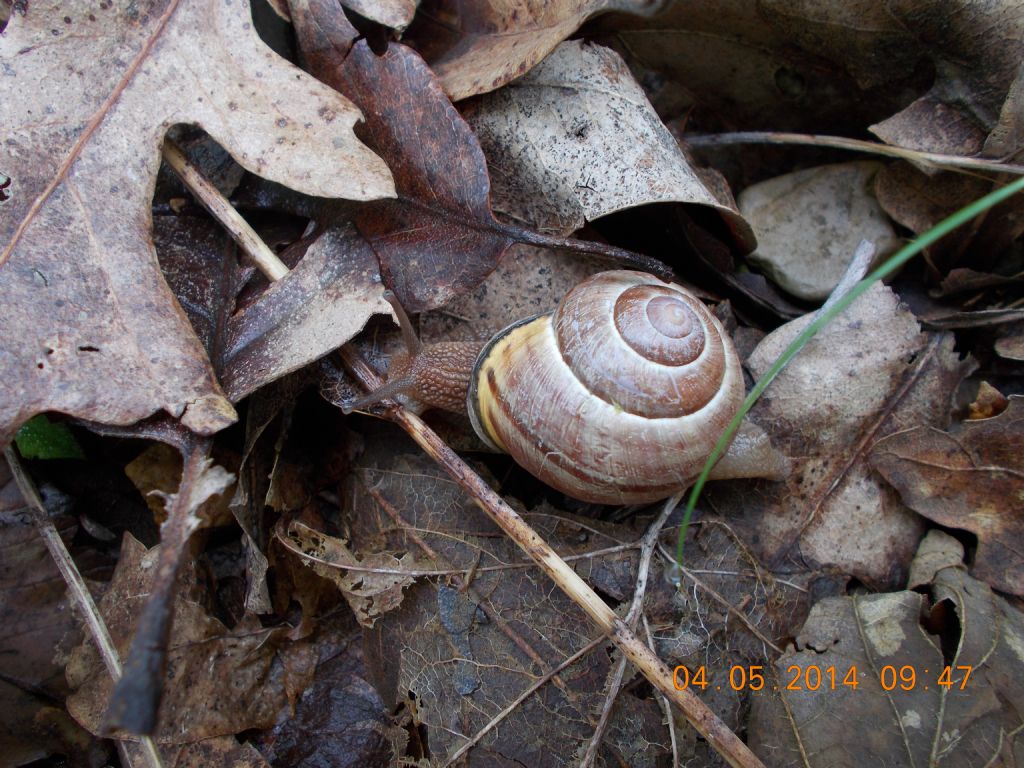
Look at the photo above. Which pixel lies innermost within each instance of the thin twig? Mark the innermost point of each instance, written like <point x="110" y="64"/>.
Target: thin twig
<point x="647" y="546"/>
<point x="854" y="145"/>
<point x="496" y="720"/>
<point x="707" y="723"/>
<point x="222" y="210"/>
<point x="79" y="594"/>
<point x="665" y="704"/>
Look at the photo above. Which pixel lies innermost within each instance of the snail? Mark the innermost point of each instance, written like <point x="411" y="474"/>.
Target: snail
<point x="616" y="397"/>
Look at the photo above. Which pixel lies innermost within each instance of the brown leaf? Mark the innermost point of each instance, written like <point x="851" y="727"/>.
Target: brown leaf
<point x="869" y="373"/>
<point x="442" y="222"/>
<point x="920" y="200"/>
<point x="977" y="52"/>
<point x="918" y="721"/>
<point x="771" y="64"/>
<point x="466" y="647"/>
<point x="315" y="308"/>
<point x="91" y="328"/>
<point x="372" y="588"/>
<point x="340" y="720"/>
<point x="439" y="238"/>
<point x="477" y="47"/>
<point x="238" y="674"/>
<point x="972" y="479"/>
<point x="576" y="139"/>
<point x="35" y="619"/>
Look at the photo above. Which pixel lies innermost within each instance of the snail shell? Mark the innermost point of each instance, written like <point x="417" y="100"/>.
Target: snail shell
<point x="618" y="397"/>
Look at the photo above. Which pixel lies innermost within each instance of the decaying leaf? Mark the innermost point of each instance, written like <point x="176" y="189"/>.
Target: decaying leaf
<point x="439" y="238"/>
<point x="243" y="675"/>
<point x="810" y="221"/>
<point x="467" y="644"/>
<point x="315" y="308"/>
<point x="742" y="66"/>
<point x="576" y="139"/>
<point x="977" y="51"/>
<point x="972" y="479"/>
<point x="477" y="47"/>
<point x="905" y="709"/>
<point x="920" y="200"/>
<point x="868" y="374"/>
<point x="91" y="327"/>
<point x="340" y="720"/>
<point x="372" y="588"/>
<point x="36" y="621"/>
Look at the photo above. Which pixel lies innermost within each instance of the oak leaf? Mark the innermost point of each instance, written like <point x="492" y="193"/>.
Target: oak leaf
<point x="91" y="328"/>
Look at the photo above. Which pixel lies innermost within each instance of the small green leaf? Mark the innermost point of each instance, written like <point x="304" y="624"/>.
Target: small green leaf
<point x="40" y="438"/>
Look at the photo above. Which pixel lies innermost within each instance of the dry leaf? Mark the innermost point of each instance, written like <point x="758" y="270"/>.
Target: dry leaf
<point x="238" y="674"/>
<point x="372" y="589"/>
<point x="869" y="373"/>
<point x="477" y="47"/>
<point x="977" y="51"/>
<point x="466" y="646"/>
<point x="92" y="328"/>
<point x="739" y="65"/>
<point x="35" y="620"/>
<point x="972" y="479"/>
<point x="973" y="721"/>
<point x="314" y="309"/>
<point x="576" y="139"/>
<point x="920" y="200"/>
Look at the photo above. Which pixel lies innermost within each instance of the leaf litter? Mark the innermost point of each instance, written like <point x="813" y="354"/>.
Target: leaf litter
<point x="386" y="612"/>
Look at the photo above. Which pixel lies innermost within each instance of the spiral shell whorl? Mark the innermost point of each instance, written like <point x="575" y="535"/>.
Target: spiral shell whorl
<point x="610" y="341"/>
<point x="610" y="399"/>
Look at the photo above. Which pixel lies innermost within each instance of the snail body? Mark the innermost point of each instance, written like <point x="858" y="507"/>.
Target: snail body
<point x="617" y="397"/>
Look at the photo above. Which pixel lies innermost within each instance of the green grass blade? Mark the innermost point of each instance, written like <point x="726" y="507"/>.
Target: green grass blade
<point x="893" y="263"/>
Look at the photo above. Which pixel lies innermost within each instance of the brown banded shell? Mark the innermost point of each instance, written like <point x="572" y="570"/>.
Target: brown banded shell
<point x="618" y="397"/>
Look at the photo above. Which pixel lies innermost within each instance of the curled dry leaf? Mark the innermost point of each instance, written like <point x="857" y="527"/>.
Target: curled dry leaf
<point x="477" y="47"/>
<point x="729" y="66"/>
<point x="972" y="479"/>
<point x="91" y="327"/>
<point x="372" y="588"/>
<point x="869" y="373"/>
<point x="974" y="104"/>
<point x="973" y="720"/>
<point x="576" y="139"/>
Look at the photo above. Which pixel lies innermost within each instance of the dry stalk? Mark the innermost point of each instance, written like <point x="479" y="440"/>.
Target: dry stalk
<point x="145" y="751"/>
<point x="707" y="723"/>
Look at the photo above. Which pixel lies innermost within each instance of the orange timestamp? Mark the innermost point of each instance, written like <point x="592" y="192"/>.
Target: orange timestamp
<point x="751" y="677"/>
